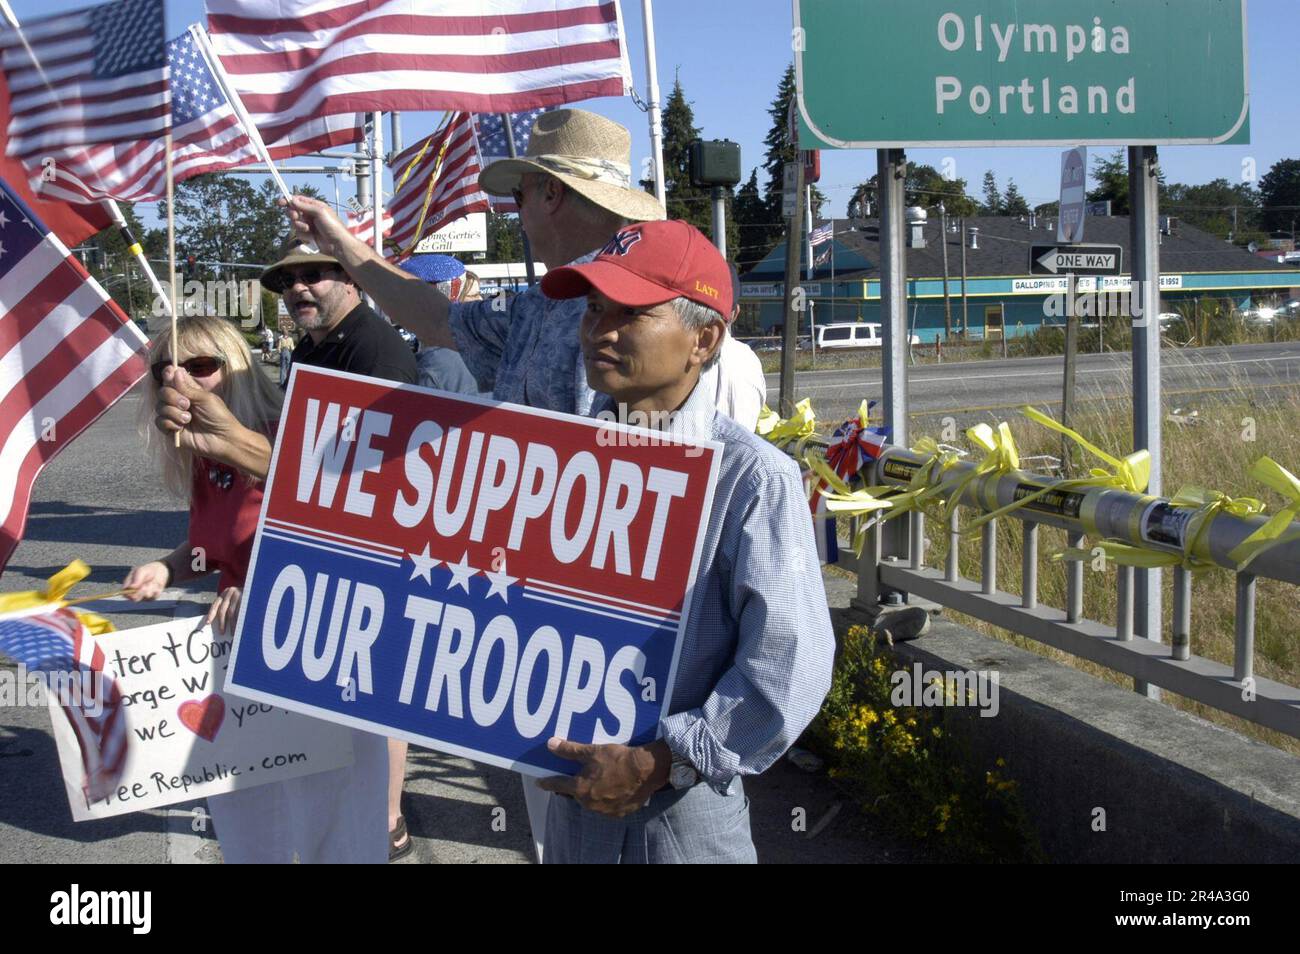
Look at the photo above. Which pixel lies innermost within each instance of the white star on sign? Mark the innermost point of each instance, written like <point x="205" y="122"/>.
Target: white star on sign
<point x="461" y="573"/>
<point x="4" y="219"/>
<point x="499" y="584"/>
<point x="424" y="564"/>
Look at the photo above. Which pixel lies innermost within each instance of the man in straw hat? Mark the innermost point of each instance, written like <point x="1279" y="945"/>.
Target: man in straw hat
<point x="755" y="661"/>
<point x="574" y="189"/>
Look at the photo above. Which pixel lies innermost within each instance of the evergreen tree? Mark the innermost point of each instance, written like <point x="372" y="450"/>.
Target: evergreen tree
<point x="118" y="271"/>
<point x="750" y="216"/>
<point x="683" y="201"/>
<point x="1111" y="175"/>
<point x="993" y="202"/>
<point x="1013" y="203"/>
<point x="1279" y="191"/>
<point x="780" y="150"/>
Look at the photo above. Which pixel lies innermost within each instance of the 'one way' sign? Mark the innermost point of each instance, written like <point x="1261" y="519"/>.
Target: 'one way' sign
<point x="1075" y="259"/>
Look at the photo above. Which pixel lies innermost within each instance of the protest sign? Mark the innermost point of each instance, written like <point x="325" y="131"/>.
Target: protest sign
<point x="469" y="575"/>
<point x="187" y="739"/>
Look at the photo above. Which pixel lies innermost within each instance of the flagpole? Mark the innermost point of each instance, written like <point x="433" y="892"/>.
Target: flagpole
<point x="171" y="252"/>
<point x="204" y="45"/>
<point x="507" y="123"/>
<point x="377" y="179"/>
<point x="652" y="80"/>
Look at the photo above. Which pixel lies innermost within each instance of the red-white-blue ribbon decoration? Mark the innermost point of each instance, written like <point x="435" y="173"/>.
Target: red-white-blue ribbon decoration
<point x="855" y="443"/>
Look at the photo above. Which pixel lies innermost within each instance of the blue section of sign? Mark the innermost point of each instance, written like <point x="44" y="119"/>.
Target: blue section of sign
<point x="489" y="676"/>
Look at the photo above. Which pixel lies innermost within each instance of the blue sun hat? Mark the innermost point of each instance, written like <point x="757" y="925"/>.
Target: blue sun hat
<point x="437" y="269"/>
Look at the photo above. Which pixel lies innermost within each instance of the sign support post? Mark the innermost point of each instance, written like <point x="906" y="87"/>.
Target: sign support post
<point x="891" y="168"/>
<point x="790" y="333"/>
<point x="1071" y="362"/>
<point x="1145" y="238"/>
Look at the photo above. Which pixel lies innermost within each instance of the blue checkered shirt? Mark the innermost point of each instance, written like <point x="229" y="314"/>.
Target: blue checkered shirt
<point x="756" y="659"/>
<point x="528" y="352"/>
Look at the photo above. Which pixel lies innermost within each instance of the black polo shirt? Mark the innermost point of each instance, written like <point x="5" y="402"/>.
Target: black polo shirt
<point x="362" y="343"/>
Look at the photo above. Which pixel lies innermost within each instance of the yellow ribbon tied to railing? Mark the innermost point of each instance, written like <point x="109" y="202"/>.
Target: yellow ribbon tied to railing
<point x="842" y="500"/>
<point x="1208" y="505"/>
<point x="1130" y="473"/>
<point x="1277" y="530"/>
<point x="799" y="426"/>
<point x="1000" y="457"/>
<point x="52" y="597"/>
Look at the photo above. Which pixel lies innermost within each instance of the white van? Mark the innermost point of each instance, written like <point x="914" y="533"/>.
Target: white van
<point x="854" y="334"/>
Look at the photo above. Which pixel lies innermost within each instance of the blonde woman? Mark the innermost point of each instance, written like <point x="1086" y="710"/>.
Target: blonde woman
<point x="224" y="504"/>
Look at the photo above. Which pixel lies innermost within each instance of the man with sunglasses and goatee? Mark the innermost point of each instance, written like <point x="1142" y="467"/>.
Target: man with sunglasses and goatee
<point x="342" y="332"/>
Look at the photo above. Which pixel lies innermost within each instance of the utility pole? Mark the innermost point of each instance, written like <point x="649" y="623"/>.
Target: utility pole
<point x="790" y="333"/>
<point x="947" y="298"/>
<point x="965" y="313"/>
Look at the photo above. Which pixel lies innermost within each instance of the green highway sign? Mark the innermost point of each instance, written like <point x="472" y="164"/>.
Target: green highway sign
<point x="877" y="74"/>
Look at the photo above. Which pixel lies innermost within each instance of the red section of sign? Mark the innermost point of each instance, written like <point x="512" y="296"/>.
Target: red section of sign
<point x="630" y="514"/>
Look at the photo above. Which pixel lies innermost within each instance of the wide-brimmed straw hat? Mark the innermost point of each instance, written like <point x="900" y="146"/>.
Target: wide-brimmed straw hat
<point x="272" y="278"/>
<point x="588" y="153"/>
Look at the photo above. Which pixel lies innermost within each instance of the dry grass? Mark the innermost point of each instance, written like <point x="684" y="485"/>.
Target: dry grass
<point x="1213" y="453"/>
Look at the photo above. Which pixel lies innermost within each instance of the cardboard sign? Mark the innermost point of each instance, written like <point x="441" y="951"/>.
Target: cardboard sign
<point x="472" y="576"/>
<point x="186" y="739"/>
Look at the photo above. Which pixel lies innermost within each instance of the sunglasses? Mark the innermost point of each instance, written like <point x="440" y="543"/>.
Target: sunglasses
<point x="287" y="279"/>
<point x="201" y="367"/>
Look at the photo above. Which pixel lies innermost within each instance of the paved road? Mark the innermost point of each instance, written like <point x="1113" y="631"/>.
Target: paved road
<point x="101" y="500"/>
<point x="974" y="388"/>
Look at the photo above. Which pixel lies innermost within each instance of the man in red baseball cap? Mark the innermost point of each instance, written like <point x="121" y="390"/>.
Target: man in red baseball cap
<point x="755" y="662"/>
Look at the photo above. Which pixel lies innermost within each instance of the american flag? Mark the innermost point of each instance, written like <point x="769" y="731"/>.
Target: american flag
<point x="206" y="136"/>
<point x="361" y="225"/>
<point x="823" y="233"/>
<point x="67" y="352"/>
<point x="296" y="61"/>
<point x="492" y="145"/>
<point x="56" y="642"/>
<point x="99" y="76"/>
<point x="435" y="183"/>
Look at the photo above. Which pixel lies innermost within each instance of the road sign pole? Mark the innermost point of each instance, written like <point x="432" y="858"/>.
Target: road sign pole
<point x="1071" y="361"/>
<point x="1145" y="239"/>
<point x="891" y="168"/>
<point x="720" y="219"/>
<point x="793" y="306"/>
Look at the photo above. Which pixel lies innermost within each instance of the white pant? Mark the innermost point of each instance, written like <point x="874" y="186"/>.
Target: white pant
<point x="334" y="817"/>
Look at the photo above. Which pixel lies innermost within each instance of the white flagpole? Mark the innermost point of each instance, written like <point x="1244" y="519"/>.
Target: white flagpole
<point x="204" y="45"/>
<point x="652" y="81"/>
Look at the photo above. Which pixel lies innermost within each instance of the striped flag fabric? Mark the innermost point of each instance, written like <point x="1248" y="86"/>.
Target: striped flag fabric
<point x="435" y="183"/>
<point x="361" y="224"/>
<point x="491" y="134"/>
<point x="55" y="642"/>
<point x="67" y="353"/>
<point x="99" y="76"/>
<point x="207" y="136"/>
<point x="297" y="61"/>
<point x="821" y="234"/>
<point x="824" y="527"/>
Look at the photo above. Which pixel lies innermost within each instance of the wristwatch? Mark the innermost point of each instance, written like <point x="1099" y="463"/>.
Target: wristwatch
<point x="682" y="774"/>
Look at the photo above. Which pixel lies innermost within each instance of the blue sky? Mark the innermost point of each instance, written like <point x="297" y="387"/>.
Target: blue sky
<point x="730" y="54"/>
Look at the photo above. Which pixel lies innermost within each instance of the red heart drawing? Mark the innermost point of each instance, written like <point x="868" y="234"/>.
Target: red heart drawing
<point x="203" y="718"/>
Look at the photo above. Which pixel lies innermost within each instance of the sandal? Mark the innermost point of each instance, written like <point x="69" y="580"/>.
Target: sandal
<point x="399" y="841"/>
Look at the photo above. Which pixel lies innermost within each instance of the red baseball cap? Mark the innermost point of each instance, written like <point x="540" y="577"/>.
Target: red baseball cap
<point x="648" y="264"/>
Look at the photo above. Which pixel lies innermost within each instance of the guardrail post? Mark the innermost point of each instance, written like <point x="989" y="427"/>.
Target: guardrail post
<point x="1243" y="657"/>
<point x="952" y="565"/>
<point x="917" y="543"/>
<point x="1182" y="634"/>
<point x="1029" y="566"/>
<point x="1074" y="582"/>
<point x="869" y="571"/>
<point x="1124" y="603"/>
<point x="989" y="557"/>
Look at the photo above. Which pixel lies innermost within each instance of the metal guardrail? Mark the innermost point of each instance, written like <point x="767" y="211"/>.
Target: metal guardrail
<point x="885" y="578"/>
